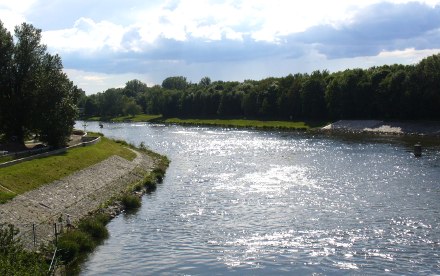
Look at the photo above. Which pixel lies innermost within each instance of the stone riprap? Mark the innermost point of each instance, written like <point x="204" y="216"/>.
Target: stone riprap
<point x="35" y="212"/>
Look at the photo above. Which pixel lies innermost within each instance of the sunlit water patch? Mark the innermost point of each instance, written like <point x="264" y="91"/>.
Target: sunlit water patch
<point x="260" y="202"/>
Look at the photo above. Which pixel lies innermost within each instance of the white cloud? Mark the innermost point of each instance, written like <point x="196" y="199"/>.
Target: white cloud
<point x="86" y="35"/>
<point x="12" y="13"/>
<point x="407" y="56"/>
<point x="208" y="21"/>
<point x="94" y="82"/>
<point x="225" y="39"/>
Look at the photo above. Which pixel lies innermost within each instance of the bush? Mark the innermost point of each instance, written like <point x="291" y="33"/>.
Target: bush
<point x="69" y="249"/>
<point x="14" y="259"/>
<point x="131" y="202"/>
<point x="95" y="228"/>
<point x="103" y="218"/>
<point x="74" y="243"/>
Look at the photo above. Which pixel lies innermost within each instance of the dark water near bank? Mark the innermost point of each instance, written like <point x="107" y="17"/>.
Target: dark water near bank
<point x="253" y="202"/>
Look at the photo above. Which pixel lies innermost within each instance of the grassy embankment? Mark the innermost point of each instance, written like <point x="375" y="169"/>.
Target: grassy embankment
<point x="90" y="231"/>
<point x="30" y="175"/>
<point x="128" y="118"/>
<point x="240" y="123"/>
<point x="243" y="123"/>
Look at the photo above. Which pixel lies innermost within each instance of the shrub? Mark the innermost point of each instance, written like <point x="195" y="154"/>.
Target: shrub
<point x="69" y="249"/>
<point x="102" y="218"/>
<point x="95" y="228"/>
<point x="14" y="259"/>
<point x="74" y="243"/>
<point x="131" y="202"/>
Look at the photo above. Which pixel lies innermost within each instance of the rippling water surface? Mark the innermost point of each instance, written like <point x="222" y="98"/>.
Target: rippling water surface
<point x="254" y="202"/>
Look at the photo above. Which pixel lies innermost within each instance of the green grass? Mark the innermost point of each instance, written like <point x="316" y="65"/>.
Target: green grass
<point x="242" y="123"/>
<point x="136" y="118"/>
<point x="96" y="118"/>
<point x="128" y="118"/>
<point x="4" y="159"/>
<point x="30" y="175"/>
<point x="245" y="123"/>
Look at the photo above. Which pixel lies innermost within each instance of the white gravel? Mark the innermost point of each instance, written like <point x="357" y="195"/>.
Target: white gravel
<point x="391" y="127"/>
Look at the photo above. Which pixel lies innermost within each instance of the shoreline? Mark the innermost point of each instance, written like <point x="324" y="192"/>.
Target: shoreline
<point x="421" y="128"/>
<point x="79" y="195"/>
<point x="410" y="128"/>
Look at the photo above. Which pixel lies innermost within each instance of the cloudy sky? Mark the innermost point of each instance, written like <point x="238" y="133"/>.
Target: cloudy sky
<point x="104" y="44"/>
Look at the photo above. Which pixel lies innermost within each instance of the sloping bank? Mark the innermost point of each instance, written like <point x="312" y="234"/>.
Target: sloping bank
<point x="424" y="128"/>
<point x="95" y="191"/>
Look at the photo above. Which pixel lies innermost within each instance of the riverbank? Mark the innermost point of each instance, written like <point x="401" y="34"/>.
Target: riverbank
<point x="424" y="128"/>
<point x="77" y="195"/>
<point x="222" y="122"/>
<point x="30" y="175"/>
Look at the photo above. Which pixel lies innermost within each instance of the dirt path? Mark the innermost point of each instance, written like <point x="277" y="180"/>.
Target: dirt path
<point x="76" y="195"/>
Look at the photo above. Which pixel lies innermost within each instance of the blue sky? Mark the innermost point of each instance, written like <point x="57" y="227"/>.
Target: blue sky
<point x="104" y="44"/>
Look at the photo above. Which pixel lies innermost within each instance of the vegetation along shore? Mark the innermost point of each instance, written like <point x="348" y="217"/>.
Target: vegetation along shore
<point x="88" y="184"/>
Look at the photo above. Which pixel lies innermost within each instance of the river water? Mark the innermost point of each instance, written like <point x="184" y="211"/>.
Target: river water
<point x="268" y="202"/>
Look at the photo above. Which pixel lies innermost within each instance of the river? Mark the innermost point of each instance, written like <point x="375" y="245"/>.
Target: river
<point x="272" y="202"/>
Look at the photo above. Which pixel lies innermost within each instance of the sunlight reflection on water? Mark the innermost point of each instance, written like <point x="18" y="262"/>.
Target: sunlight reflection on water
<point x="251" y="202"/>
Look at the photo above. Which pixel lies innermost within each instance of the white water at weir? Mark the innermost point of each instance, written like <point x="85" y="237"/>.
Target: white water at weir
<point x="268" y="202"/>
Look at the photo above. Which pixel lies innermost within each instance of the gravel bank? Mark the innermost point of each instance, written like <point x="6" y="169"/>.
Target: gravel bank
<point x="76" y="195"/>
<point x="374" y="126"/>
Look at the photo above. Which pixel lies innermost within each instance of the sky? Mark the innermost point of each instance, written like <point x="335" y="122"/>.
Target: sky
<point x="104" y="44"/>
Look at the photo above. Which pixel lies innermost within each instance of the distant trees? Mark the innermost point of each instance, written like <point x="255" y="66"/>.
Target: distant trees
<point x="129" y="100"/>
<point x="36" y="97"/>
<point x="385" y="92"/>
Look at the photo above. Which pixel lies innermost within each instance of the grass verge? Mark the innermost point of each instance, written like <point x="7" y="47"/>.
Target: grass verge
<point x="128" y="118"/>
<point x="30" y="175"/>
<point x="136" y="118"/>
<point x="245" y="123"/>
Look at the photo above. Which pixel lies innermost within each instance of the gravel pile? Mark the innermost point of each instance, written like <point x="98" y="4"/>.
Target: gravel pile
<point x="391" y="127"/>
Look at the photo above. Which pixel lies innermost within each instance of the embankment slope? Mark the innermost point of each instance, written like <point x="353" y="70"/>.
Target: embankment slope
<point x="78" y="195"/>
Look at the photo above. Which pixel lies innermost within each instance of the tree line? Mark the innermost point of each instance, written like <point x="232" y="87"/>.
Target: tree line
<point x="36" y="97"/>
<point x="399" y="92"/>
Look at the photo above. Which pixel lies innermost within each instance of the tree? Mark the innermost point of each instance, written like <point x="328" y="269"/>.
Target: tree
<point x="91" y="106"/>
<point x="205" y="81"/>
<point x="428" y="79"/>
<point x="111" y="102"/>
<point x="131" y="107"/>
<point x="56" y="103"/>
<point x="175" y="83"/>
<point x="134" y="87"/>
<point x="36" y="96"/>
<point x="6" y="54"/>
<point x="312" y="97"/>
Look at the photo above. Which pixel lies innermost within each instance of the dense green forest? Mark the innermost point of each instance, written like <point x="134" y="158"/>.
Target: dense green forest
<point x="36" y="97"/>
<point x="401" y="92"/>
